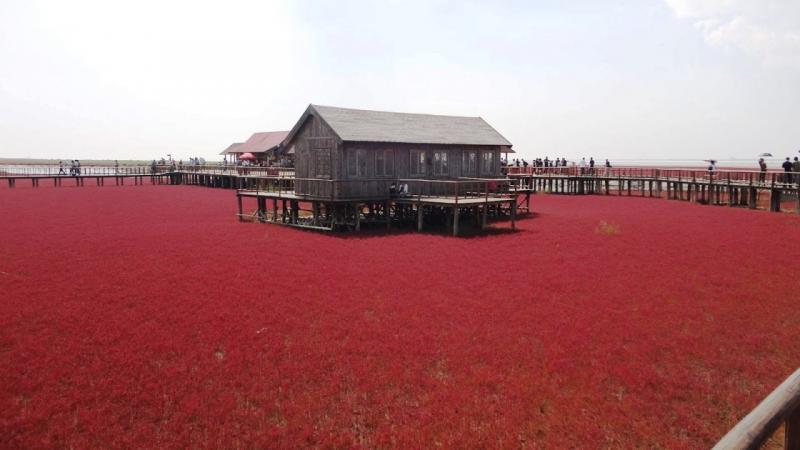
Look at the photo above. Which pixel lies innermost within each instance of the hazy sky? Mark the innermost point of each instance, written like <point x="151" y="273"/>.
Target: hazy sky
<point x="617" y="79"/>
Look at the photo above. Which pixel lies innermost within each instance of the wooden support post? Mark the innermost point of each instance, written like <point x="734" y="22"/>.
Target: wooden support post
<point x="387" y="214"/>
<point x="239" y="200"/>
<point x="730" y="193"/>
<point x="791" y="439"/>
<point x="775" y="200"/>
<point x="419" y="216"/>
<point x="455" y="219"/>
<point x="357" y="209"/>
<point x="274" y="209"/>
<point x="513" y="215"/>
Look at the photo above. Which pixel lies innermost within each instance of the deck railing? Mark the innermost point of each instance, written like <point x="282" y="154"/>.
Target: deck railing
<point x="782" y="406"/>
<point x="379" y="188"/>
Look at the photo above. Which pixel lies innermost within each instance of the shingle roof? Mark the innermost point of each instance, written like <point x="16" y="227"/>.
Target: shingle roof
<point x="381" y="126"/>
<point x="232" y="148"/>
<point x="263" y="141"/>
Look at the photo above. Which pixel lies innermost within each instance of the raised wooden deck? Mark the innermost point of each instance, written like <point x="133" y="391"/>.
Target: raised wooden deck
<point x="286" y="208"/>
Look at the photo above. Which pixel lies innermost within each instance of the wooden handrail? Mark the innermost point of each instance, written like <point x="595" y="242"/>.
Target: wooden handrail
<point x="780" y="406"/>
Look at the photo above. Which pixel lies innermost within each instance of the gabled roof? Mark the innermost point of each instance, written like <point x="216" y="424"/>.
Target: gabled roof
<point x="232" y="148"/>
<point x="380" y="126"/>
<point x="263" y="141"/>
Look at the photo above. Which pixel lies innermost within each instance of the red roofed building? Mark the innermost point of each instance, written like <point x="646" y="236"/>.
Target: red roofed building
<point x="266" y="146"/>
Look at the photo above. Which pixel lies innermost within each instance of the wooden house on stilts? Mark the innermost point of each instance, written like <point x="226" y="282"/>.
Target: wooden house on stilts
<point x="355" y="166"/>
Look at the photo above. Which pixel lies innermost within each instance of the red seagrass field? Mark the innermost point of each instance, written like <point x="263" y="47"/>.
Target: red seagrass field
<point x="148" y="317"/>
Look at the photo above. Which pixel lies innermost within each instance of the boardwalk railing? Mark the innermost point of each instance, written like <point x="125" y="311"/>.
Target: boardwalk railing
<point x="739" y="175"/>
<point x="782" y="406"/>
<point x="49" y="170"/>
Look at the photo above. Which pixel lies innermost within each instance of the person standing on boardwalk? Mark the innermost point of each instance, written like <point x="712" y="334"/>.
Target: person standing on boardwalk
<point x="712" y="167"/>
<point x="608" y="168"/>
<point x="762" y="165"/>
<point x="73" y="170"/>
<point x="787" y="169"/>
<point x="61" y="168"/>
<point x="116" y="166"/>
<point x="591" y="165"/>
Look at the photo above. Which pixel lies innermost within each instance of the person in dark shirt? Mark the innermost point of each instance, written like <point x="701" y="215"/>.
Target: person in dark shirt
<point x="787" y="168"/>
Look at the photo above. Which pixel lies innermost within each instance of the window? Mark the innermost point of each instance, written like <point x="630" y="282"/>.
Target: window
<point x="469" y="164"/>
<point x="488" y="163"/>
<point x="440" y="163"/>
<point x="417" y="166"/>
<point x="323" y="162"/>
<point x="384" y="162"/>
<point x="357" y="162"/>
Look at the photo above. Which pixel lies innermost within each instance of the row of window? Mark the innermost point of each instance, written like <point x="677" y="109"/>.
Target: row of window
<point x="421" y="163"/>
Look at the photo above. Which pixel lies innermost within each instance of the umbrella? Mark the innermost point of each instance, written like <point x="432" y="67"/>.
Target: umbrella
<point x="766" y="155"/>
<point x="247" y="155"/>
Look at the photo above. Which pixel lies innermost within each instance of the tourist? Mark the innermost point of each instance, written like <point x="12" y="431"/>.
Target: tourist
<point x="116" y="166"/>
<point x="796" y="169"/>
<point x="712" y="167"/>
<point x="61" y="168"/>
<point x="77" y="167"/>
<point x="582" y="165"/>
<point x="762" y="175"/>
<point x="591" y="165"/>
<point x="153" y="167"/>
<point x="787" y="169"/>
<point x="608" y="168"/>
<point x="73" y="168"/>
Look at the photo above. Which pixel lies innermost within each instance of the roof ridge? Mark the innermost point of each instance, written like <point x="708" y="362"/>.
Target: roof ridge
<point x="394" y="112"/>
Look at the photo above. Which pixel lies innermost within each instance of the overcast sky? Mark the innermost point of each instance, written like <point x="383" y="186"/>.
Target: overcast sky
<point x="618" y="79"/>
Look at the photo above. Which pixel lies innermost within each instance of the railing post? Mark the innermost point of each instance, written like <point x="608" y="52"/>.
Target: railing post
<point x="791" y="439"/>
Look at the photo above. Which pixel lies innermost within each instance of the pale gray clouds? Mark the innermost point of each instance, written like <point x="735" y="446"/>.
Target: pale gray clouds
<point x="768" y="30"/>
<point x="616" y="78"/>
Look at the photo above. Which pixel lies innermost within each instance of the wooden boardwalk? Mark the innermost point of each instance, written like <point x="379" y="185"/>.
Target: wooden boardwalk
<point x="80" y="180"/>
<point x="701" y="187"/>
